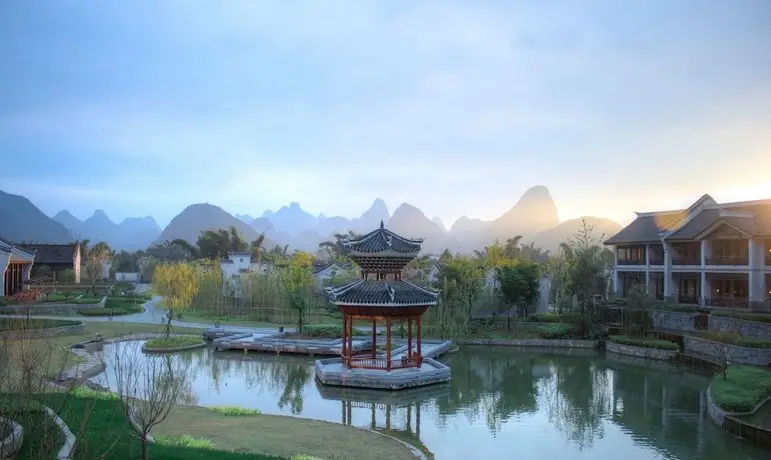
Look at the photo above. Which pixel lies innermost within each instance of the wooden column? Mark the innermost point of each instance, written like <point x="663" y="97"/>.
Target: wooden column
<point x="345" y="340"/>
<point x="388" y="344"/>
<point x="420" y="327"/>
<point x="350" y="340"/>
<point x="374" y="338"/>
<point x="409" y="338"/>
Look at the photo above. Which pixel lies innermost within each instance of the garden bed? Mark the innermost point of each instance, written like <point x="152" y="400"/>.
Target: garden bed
<point x="744" y="390"/>
<point x="738" y="350"/>
<point x="173" y="343"/>
<point x="642" y="347"/>
<point x="332" y="331"/>
<point x="116" y="306"/>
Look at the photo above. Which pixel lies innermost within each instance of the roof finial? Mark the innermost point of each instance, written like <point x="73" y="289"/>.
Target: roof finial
<point x="381" y="223"/>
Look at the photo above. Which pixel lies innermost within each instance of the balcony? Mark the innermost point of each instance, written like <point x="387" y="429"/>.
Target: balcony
<point x="631" y="261"/>
<point x="727" y="302"/>
<point x="688" y="260"/>
<point x="728" y="260"/>
<point x="688" y="300"/>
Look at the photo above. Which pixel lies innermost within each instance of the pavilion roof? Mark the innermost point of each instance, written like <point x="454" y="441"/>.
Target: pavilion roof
<point x="383" y="242"/>
<point x="382" y="293"/>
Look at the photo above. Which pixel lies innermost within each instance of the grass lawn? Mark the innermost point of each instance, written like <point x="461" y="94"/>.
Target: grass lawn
<point x="174" y="341"/>
<point x="281" y="436"/>
<point x="743" y="388"/>
<point x="102" y="431"/>
<point x="55" y="351"/>
<point x="87" y="299"/>
<point x="645" y="342"/>
<point x="116" y="306"/>
<point x="41" y="435"/>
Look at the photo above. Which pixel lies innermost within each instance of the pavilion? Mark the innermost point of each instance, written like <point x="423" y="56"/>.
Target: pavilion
<point x="381" y="296"/>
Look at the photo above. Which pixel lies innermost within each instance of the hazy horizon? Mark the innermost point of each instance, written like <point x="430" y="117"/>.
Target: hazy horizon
<point x="144" y="108"/>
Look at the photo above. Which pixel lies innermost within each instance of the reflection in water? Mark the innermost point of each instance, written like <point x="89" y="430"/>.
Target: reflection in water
<point x="500" y="402"/>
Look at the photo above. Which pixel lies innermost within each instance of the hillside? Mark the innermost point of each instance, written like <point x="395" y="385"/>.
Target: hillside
<point x="552" y="238"/>
<point x="20" y="220"/>
<point x="200" y="217"/>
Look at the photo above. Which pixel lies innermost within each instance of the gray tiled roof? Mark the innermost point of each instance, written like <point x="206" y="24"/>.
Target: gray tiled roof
<point x="390" y="293"/>
<point x="694" y="227"/>
<point x="644" y="229"/>
<point x="381" y="240"/>
<point x="52" y="253"/>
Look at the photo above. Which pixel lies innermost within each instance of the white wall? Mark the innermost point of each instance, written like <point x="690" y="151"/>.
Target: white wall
<point x="130" y="277"/>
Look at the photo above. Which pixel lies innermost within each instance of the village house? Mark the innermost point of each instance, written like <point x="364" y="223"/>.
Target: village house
<point x="16" y="266"/>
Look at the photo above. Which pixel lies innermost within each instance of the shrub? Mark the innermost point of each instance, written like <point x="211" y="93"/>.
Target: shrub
<point x="743" y="388"/>
<point x="735" y="339"/>
<point x="553" y="317"/>
<point x="645" y="343"/>
<point x="760" y="317"/>
<point x="557" y="331"/>
<point x="85" y="392"/>
<point x="23" y="324"/>
<point x="176" y="341"/>
<point x="329" y="330"/>
<point x="184" y="441"/>
<point x="234" y="411"/>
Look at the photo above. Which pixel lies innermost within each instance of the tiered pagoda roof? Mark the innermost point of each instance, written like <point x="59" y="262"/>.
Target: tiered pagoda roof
<point x="382" y="253"/>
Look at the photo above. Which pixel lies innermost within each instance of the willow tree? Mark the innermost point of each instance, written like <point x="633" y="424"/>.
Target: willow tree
<point x="178" y="284"/>
<point x="97" y="258"/>
<point x="298" y="282"/>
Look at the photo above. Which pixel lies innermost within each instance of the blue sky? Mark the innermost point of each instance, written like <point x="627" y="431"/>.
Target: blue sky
<point x="457" y="107"/>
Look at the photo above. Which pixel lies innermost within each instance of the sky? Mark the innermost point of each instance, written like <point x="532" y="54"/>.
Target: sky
<point x="457" y="107"/>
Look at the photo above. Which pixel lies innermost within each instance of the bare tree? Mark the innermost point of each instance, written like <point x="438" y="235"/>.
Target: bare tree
<point x="148" y="386"/>
<point x="97" y="258"/>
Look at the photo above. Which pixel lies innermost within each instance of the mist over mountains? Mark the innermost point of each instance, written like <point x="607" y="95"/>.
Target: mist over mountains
<point x="533" y="216"/>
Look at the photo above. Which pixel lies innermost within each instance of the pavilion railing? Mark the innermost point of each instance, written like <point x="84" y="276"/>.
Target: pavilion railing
<point x="382" y="363"/>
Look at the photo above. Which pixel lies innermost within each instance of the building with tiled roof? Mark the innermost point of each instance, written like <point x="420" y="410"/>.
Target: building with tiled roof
<point x="57" y="257"/>
<point x="15" y="267"/>
<point x="713" y="254"/>
<point x="382" y="294"/>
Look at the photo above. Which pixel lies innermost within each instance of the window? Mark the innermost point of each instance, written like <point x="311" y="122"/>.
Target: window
<point x="241" y="259"/>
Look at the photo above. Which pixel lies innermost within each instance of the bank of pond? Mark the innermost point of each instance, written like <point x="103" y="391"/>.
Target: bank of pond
<point x="539" y="402"/>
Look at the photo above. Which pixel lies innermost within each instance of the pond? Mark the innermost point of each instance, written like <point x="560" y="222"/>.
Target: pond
<point x="501" y="403"/>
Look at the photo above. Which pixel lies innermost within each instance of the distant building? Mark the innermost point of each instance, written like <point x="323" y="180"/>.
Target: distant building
<point x="713" y="254"/>
<point x="324" y="271"/>
<point x="15" y="265"/>
<point x="237" y="263"/>
<point x="57" y="257"/>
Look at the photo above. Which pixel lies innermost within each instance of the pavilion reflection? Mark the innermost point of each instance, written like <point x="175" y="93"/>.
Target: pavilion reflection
<point x="397" y="414"/>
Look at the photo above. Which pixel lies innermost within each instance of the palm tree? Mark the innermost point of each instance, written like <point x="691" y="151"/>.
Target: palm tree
<point x="336" y="249"/>
<point x="511" y="248"/>
<point x="256" y="246"/>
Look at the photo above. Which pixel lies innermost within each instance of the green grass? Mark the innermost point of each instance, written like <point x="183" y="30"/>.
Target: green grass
<point x="116" y="306"/>
<point x="743" y="388"/>
<point x="734" y="339"/>
<point x="234" y="411"/>
<point x="176" y="341"/>
<point x="759" y="317"/>
<point x="17" y="324"/>
<point x="645" y="342"/>
<point x="87" y="300"/>
<point x="282" y="436"/>
<point x="103" y="432"/>
<point x="330" y="331"/>
<point x="556" y="331"/>
<point x="41" y="435"/>
<point x="553" y="317"/>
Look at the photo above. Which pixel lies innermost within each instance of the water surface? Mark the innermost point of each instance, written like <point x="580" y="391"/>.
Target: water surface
<point x="501" y="403"/>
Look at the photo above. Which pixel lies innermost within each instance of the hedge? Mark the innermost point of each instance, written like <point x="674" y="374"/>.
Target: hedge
<point x="645" y="343"/>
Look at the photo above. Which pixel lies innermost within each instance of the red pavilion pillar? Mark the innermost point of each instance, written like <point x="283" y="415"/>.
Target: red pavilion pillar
<point x="374" y="338"/>
<point x="409" y="338"/>
<point x="345" y="340"/>
<point x="420" y="327"/>
<point x="388" y="344"/>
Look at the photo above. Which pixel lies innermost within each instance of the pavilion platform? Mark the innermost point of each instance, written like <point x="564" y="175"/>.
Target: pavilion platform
<point x="277" y="343"/>
<point x="334" y="372"/>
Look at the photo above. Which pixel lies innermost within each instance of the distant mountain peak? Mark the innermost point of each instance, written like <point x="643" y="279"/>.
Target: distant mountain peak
<point x="295" y="206"/>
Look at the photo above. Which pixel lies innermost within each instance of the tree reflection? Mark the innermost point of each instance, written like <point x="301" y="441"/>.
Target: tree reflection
<point x="577" y="399"/>
<point x="298" y="376"/>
